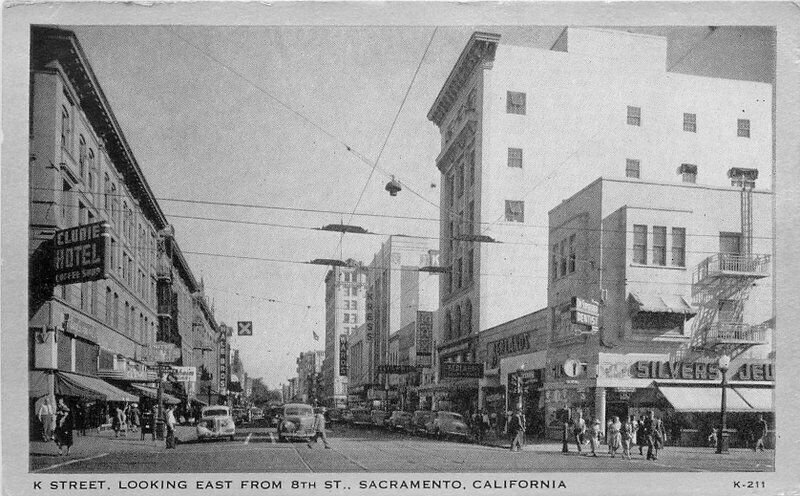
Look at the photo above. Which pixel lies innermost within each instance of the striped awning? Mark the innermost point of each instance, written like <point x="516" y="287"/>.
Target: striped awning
<point x="152" y="393"/>
<point x="645" y="302"/>
<point x="84" y="386"/>
<point x="709" y="399"/>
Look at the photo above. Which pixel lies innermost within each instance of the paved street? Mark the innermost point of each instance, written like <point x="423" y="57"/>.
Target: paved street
<point x="359" y="450"/>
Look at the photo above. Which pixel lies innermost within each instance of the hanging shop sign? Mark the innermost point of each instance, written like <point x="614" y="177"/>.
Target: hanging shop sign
<point x="162" y="352"/>
<point x="81" y="254"/>
<point x="585" y="312"/>
<point x="185" y="374"/>
<point x="396" y="369"/>
<point x="511" y="345"/>
<point x="424" y="341"/>
<point x="461" y="370"/>
<point x="343" y="354"/>
<point x="369" y="315"/>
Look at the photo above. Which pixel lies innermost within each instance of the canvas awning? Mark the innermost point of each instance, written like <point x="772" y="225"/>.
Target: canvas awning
<point x="69" y="384"/>
<point x="37" y="384"/>
<point x="709" y="399"/>
<point x="153" y="393"/>
<point x="450" y="385"/>
<point x="646" y="302"/>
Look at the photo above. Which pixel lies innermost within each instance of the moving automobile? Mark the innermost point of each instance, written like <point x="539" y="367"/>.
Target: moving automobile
<point x="361" y="416"/>
<point x="419" y="420"/>
<point x="215" y="423"/>
<point x="446" y="424"/>
<point x="297" y="422"/>
<point x="256" y="414"/>
<point x="399" y="420"/>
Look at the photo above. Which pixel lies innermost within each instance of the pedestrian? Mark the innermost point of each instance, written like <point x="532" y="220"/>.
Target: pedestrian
<point x="516" y="430"/>
<point x="319" y="428"/>
<point x="759" y="433"/>
<point x="485" y="423"/>
<point x="712" y="438"/>
<point x="594" y="435"/>
<point x="579" y="430"/>
<point x="47" y="416"/>
<point x="170" y="422"/>
<point x="80" y="418"/>
<point x="634" y="427"/>
<point x="626" y="436"/>
<point x="134" y="414"/>
<point x="614" y="436"/>
<point x="64" y="425"/>
<point x="654" y="430"/>
<point x="641" y="435"/>
<point x="476" y="422"/>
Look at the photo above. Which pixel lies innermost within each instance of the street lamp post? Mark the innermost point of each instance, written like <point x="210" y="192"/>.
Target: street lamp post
<point x="520" y="370"/>
<point x="722" y="440"/>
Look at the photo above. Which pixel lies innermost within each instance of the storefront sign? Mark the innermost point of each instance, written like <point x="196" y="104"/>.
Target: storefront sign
<point x="185" y="374"/>
<point x="369" y="316"/>
<point x="396" y="369"/>
<point x="81" y="253"/>
<point x="585" y="312"/>
<point x="343" y="354"/>
<point x="676" y="370"/>
<point x="463" y="369"/>
<point x="162" y="352"/>
<point x="507" y="346"/>
<point x="424" y="342"/>
<point x="755" y="372"/>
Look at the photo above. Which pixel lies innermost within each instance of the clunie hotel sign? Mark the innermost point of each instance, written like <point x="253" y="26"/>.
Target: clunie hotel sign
<point x="80" y="254"/>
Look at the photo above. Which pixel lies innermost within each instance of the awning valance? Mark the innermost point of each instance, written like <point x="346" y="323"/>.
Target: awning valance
<point x="37" y="384"/>
<point x="453" y="385"/>
<point x="645" y="302"/>
<point x="153" y="394"/>
<point x="709" y="399"/>
<point x="69" y="384"/>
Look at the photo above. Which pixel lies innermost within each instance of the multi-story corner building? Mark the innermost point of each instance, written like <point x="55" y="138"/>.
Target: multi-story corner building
<point x="677" y="275"/>
<point x="309" y="369"/>
<point x="522" y="128"/>
<point x="102" y="255"/>
<point x="98" y="319"/>
<point x="358" y="360"/>
<point x="205" y="348"/>
<point x="344" y="311"/>
<point x="396" y="291"/>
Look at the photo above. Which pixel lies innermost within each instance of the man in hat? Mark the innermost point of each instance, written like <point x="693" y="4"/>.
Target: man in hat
<point x="319" y="428"/>
<point x="594" y="436"/>
<point x="654" y="430"/>
<point x="516" y="430"/>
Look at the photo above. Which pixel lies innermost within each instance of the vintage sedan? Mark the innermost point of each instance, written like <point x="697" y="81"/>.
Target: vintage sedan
<point x="419" y="420"/>
<point x="447" y="424"/>
<point x="399" y="420"/>
<point x="215" y="423"/>
<point x="297" y="422"/>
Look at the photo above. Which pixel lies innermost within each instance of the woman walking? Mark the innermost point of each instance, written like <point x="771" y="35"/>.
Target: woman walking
<point x="641" y="436"/>
<point x="64" y="424"/>
<point x="614" y="436"/>
<point x="626" y="436"/>
<point x="594" y="436"/>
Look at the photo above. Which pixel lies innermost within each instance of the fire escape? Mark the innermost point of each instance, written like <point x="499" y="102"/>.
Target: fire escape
<point x="721" y="283"/>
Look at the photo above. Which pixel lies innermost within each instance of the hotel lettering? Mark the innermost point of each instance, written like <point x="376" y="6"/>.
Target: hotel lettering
<point x="80" y="254"/>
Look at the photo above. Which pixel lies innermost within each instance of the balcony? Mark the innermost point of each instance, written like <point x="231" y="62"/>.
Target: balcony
<point x="726" y="265"/>
<point x="735" y="333"/>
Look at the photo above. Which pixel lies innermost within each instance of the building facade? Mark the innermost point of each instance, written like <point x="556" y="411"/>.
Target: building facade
<point x="522" y="128"/>
<point x="309" y="377"/>
<point x="345" y="291"/>
<point x="676" y="276"/>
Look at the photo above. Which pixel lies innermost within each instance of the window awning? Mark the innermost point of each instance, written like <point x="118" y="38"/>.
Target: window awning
<point x="450" y="385"/>
<point x="69" y="384"/>
<point x="153" y="393"/>
<point x="709" y="399"/>
<point x="645" y="302"/>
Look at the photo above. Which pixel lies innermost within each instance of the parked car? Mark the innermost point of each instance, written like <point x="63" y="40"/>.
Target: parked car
<point x="333" y="415"/>
<point x="347" y="416"/>
<point x="379" y="417"/>
<point x="361" y="416"/>
<point x="256" y="414"/>
<point x="215" y="422"/>
<point x="239" y="415"/>
<point x="274" y="416"/>
<point x="419" y="420"/>
<point x="447" y="424"/>
<point x="297" y="422"/>
<point x="399" y="420"/>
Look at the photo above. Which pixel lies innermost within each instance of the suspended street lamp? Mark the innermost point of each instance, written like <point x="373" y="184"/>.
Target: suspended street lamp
<point x="344" y="228"/>
<point x="328" y="261"/>
<point x="393" y="187"/>
<point x="477" y="238"/>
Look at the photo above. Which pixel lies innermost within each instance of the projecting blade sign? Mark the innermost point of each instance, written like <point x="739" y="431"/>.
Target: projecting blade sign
<point x="246" y="328"/>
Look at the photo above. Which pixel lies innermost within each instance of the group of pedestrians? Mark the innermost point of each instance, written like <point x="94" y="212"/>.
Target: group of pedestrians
<point x="647" y="431"/>
<point x="57" y="423"/>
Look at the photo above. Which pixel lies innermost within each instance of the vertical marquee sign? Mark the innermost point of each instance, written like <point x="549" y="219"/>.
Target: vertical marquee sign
<point x="343" y="354"/>
<point x="369" y="315"/>
<point x="81" y="254"/>
<point x="424" y="341"/>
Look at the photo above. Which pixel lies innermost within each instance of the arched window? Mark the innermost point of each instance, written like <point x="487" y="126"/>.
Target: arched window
<point x="468" y="318"/>
<point x="448" y="326"/>
<point x="82" y="156"/>
<point x="457" y="322"/>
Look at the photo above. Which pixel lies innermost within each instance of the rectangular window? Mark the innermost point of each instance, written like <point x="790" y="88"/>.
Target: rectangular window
<point x="459" y="279"/>
<point x="659" y="245"/>
<point x="632" y="168"/>
<point x="66" y="127"/>
<point x="639" y="244"/>
<point x="346" y="318"/>
<point x="515" y="211"/>
<point x="354" y="304"/>
<point x="554" y="255"/>
<point x="515" y="102"/>
<point x="690" y="123"/>
<point x="470" y="265"/>
<point x="743" y="128"/>
<point x="471" y="228"/>
<point x="688" y="173"/>
<point x="460" y="180"/>
<point x="450" y="190"/>
<point x="634" y="116"/>
<point x="562" y="256"/>
<point x="471" y="165"/>
<point x="109" y="303"/>
<point x="353" y="319"/>
<point x="571" y="267"/>
<point x="515" y="157"/>
<point x="679" y="247"/>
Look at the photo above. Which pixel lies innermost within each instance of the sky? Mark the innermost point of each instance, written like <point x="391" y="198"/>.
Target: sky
<point x="265" y="116"/>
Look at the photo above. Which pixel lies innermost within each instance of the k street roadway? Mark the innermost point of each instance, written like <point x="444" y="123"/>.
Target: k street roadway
<point x="366" y="450"/>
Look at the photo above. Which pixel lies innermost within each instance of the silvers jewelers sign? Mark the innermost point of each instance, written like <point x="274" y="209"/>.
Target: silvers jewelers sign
<point x="81" y="253"/>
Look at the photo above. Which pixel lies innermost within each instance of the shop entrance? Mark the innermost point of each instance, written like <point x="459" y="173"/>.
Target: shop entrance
<point x="616" y="409"/>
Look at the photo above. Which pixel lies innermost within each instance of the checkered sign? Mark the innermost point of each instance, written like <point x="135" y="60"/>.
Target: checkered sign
<point x="245" y="328"/>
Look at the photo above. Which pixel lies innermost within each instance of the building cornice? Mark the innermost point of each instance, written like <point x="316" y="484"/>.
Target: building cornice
<point x="479" y="52"/>
<point x="50" y="44"/>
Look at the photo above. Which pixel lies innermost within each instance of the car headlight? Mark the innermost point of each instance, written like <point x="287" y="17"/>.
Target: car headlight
<point x="289" y="426"/>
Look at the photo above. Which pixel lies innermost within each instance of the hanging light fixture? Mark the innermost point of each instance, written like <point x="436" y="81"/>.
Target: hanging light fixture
<point x="393" y="187"/>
